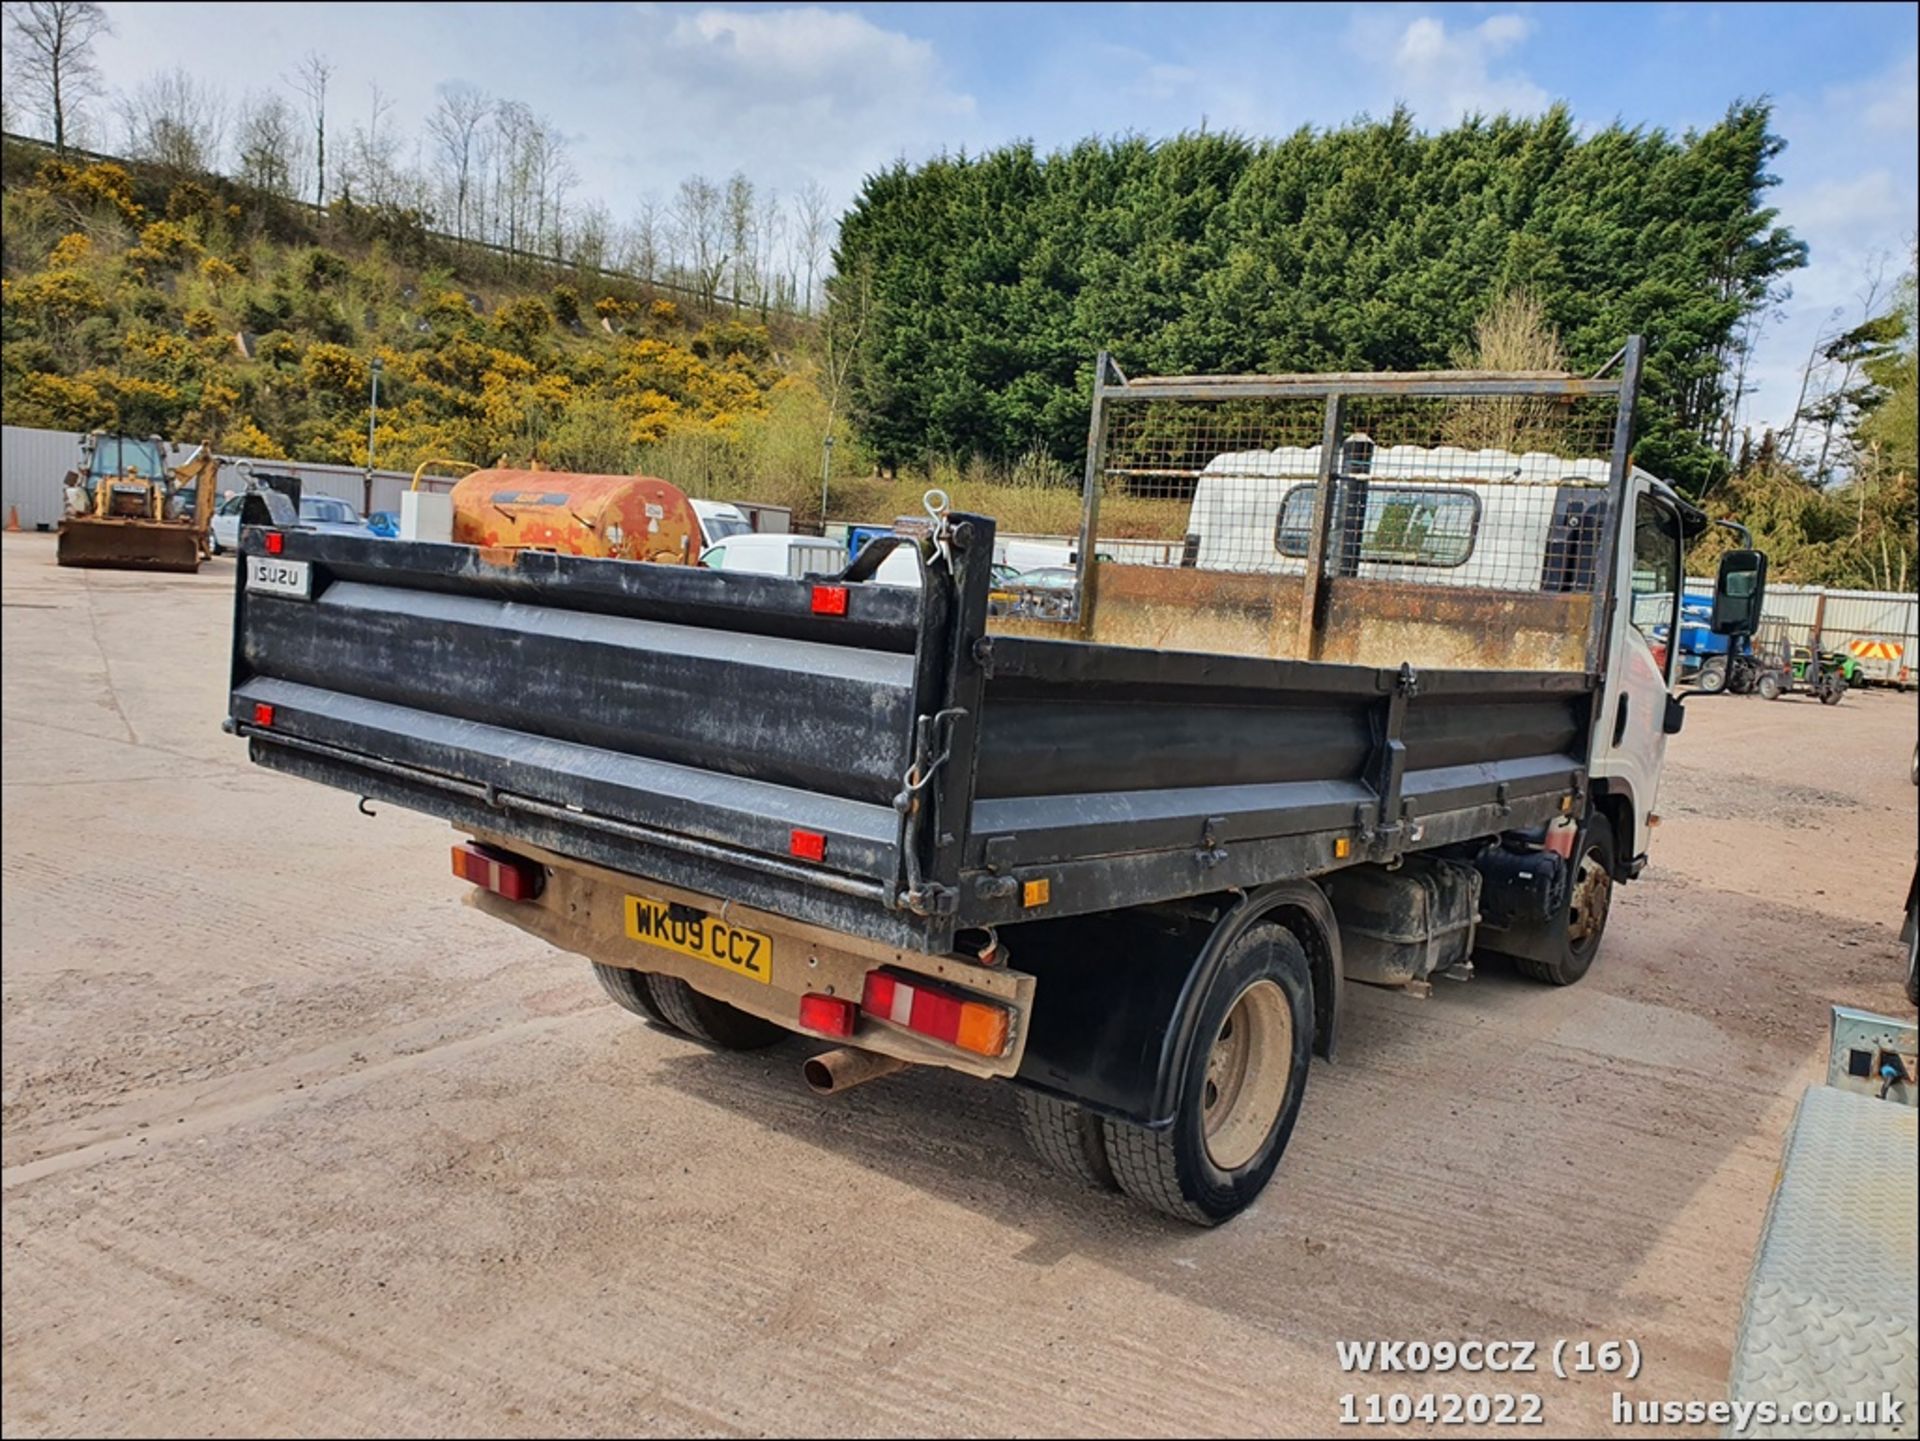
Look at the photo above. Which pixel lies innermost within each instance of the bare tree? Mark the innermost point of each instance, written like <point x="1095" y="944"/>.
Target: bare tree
<point x="813" y="216"/>
<point x="557" y="179"/>
<point x="176" y="121"/>
<point x="513" y="125"/>
<point x="52" y="58"/>
<point x="648" y="245"/>
<point x="311" y="81"/>
<point x="699" y="222"/>
<point x="455" y="128"/>
<point x="1829" y="385"/>
<point x="769" y="229"/>
<point x="742" y="242"/>
<point x="588" y="247"/>
<point x="372" y="156"/>
<point x="271" y="150"/>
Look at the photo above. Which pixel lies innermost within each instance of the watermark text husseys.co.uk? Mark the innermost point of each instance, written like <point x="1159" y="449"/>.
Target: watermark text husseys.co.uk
<point x="1886" y="1409"/>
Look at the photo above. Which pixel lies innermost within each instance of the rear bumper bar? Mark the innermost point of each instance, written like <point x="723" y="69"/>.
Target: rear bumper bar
<point x="583" y="909"/>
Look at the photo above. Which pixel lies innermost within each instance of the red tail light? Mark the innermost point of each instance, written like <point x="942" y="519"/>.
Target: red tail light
<point x="276" y="542"/>
<point x="505" y="875"/>
<point x="808" y="845"/>
<point x="829" y="600"/>
<point x="935" y="1011"/>
<point x="829" y="1015"/>
<point x="262" y="713"/>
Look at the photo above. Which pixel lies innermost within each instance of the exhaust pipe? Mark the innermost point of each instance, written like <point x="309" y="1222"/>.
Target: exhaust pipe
<point x="831" y="1072"/>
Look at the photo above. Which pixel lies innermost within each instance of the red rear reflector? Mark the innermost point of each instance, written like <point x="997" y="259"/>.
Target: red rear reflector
<point x="829" y="1015"/>
<point x="808" y="845"/>
<point x="262" y="713"/>
<point x="829" y="600"/>
<point x="504" y="875"/>
<point x="276" y="542"/>
<point x="877" y="996"/>
<point x="934" y="1011"/>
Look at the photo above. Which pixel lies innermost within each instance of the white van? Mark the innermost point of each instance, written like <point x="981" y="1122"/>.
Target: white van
<point x="1026" y="553"/>
<point x="1441" y="515"/>
<point x="799" y="556"/>
<point x="718" y="521"/>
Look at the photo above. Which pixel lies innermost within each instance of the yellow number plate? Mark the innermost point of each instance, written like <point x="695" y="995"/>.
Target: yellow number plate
<point x="745" y="953"/>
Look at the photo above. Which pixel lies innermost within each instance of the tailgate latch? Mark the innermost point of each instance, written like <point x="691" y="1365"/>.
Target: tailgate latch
<point x="921" y="897"/>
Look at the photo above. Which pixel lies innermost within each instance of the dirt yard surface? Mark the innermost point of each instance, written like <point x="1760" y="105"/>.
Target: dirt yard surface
<point x="295" y="1143"/>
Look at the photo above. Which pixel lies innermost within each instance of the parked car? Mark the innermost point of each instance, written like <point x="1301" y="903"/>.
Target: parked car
<point x="323" y="513"/>
<point x="801" y="555"/>
<point x="1044" y="593"/>
<point x="224" y="533"/>
<point x="384" y="523"/>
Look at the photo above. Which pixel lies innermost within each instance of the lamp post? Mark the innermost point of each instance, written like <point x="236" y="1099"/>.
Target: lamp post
<point x="373" y="414"/>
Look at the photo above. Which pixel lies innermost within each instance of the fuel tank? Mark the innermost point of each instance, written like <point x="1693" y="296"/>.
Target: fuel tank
<point x="619" y="517"/>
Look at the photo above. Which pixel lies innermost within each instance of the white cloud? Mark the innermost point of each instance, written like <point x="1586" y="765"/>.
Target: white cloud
<point x="646" y="94"/>
<point x="1443" y="74"/>
<point x="1840" y="210"/>
<point x="1885" y="104"/>
<point x="1165" y="82"/>
<point x="787" y="93"/>
<point x="1848" y="190"/>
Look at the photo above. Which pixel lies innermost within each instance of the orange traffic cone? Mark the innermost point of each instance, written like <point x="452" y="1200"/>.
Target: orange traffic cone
<point x="13" y="517"/>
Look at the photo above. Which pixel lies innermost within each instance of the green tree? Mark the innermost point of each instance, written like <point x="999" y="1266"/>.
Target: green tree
<point x="989" y="282"/>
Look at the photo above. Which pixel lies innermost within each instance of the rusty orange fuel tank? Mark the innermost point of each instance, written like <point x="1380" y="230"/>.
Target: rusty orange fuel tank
<point x="623" y="517"/>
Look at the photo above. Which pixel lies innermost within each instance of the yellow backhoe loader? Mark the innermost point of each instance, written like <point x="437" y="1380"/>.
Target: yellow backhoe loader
<point x="129" y="511"/>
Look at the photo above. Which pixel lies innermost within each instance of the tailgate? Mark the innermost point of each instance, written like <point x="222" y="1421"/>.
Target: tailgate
<point x="666" y="721"/>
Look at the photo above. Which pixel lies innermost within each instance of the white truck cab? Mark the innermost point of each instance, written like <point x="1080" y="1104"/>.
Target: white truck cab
<point x="719" y="521"/>
<point x="1642" y="661"/>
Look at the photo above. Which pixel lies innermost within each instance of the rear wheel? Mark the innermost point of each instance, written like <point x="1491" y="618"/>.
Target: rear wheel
<point x="628" y="988"/>
<point x="1769" y="686"/>
<point x="1713" y="676"/>
<point x="1068" y="1138"/>
<point x="705" y="1019"/>
<point x="1240" y="1093"/>
<point x="1589" y="901"/>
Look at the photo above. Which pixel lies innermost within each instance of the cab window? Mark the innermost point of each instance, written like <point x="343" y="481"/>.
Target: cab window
<point x="1656" y="569"/>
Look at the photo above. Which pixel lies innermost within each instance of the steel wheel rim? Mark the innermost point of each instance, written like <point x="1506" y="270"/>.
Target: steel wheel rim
<point x="1592" y="893"/>
<point x="1249" y="1067"/>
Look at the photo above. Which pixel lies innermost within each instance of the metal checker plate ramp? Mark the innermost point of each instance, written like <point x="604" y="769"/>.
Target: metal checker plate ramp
<point x="1831" y="1312"/>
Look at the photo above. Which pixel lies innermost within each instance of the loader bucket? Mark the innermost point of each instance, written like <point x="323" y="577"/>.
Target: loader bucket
<point x="128" y="545"/>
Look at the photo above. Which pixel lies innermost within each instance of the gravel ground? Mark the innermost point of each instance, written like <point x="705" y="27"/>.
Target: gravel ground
<point x="294" y="1143"/>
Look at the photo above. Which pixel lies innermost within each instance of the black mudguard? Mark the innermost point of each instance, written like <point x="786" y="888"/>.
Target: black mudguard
<point x="1111" y="1025"/>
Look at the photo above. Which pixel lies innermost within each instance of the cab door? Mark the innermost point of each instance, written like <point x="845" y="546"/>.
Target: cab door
<point x="1632" y="738"/>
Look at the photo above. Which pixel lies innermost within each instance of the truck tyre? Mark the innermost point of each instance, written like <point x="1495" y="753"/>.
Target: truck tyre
<point x="1067" y="1137"/>
<point x="1589" y="900"/>
<point x="1713" y="676"/>
<point x="1240" y="1093"/>
<point x="1769" y="686"/>
<point x="628" y="988"/>
<point x="705" y="1019"/>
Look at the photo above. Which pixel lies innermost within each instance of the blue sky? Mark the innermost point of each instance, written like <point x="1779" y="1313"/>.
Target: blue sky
<point x="648" y="93"/>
